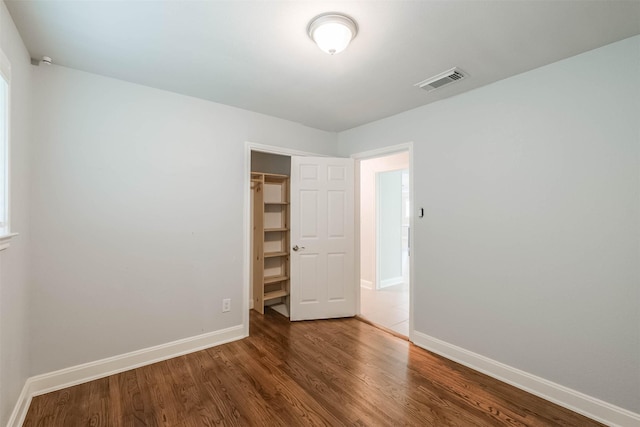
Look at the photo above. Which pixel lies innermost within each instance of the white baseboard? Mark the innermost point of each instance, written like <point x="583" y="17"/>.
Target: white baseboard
<point x="367" y="284"/>
<point x="591" y="407"/>
<point x="576" y="401"/>
<point x="22" y="406"/>
<point x="52" y="381"/>
<point x="391" y="282"/>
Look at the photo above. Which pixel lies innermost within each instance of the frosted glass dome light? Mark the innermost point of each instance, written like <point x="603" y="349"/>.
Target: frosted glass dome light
<point x="332" y="32"/>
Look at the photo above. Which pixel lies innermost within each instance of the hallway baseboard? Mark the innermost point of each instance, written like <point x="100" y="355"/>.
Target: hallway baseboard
<point x="391" y="282"/>
<point x="367" y="284"/>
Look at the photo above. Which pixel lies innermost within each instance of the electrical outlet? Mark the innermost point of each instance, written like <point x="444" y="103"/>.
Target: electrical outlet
<point x="226" y="305"/>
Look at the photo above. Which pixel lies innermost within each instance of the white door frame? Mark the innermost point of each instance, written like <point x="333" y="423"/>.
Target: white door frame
<point x="254" y="146"/>
<point x="381" y="152"/>
<point x="246" y="251"/>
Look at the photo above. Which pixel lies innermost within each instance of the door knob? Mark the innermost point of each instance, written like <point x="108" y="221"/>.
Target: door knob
<point x="297" y="248"/>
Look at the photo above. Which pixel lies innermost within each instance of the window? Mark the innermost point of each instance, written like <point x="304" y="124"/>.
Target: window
<point x="5" y="78"/>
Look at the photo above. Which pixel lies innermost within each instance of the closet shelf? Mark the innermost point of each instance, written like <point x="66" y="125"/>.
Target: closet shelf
<point x="275" y="254"/>
<point x="275" y="279"/>
<point x="275" y="294"/>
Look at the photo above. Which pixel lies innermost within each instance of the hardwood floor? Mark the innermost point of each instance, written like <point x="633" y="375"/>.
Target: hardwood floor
<point x="330" y="372"/>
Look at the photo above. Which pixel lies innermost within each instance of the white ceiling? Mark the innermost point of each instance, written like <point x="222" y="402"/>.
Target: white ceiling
<point x="256" y="55"/>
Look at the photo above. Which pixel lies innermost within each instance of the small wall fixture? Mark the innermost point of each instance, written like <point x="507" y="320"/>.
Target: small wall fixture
<point x="332" y="32"/>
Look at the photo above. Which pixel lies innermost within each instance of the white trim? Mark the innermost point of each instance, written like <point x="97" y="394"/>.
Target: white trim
<point x="380" y="152"/>
<point x="5" y="66"/>
<point x="5" y="144"/>
<point x="272" y="149"/>
<point x="246" y="250"/>
<point x="384" y="151"/>
<point x="378" y="259"/>
<point x="22" y="406"/>
<point x="576" y="401"/>
<point x="52" y="381"/>
<point x="246" y="240"/>
<point x="5" y="241"/>
<point x="391" y="281"/>
<point x="356" y="237"/>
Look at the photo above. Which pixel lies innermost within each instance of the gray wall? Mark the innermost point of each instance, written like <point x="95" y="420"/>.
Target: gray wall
<point x="14" y="279"/>
<point x="529" y="249"/>
<point x="137" y="206"/>
<point x="528" y="252"/>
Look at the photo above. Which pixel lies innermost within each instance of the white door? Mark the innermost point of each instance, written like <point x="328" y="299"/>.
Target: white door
<point x="322" y="238"/>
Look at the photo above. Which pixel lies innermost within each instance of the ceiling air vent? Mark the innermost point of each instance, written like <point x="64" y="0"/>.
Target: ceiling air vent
<point x="442" y="79"/>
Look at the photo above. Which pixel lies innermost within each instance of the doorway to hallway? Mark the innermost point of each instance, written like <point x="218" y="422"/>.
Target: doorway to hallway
<point x="384" y="241"/>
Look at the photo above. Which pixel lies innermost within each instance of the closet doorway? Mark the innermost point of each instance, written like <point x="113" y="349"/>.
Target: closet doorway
<point x="385" y="251"/>
<point x="270" y="175"/>
<point x="312" y="273"/>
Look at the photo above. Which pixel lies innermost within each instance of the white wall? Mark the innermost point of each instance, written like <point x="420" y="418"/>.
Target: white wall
<point x="529" y="249"/>
<point x="14" y="279"/>
<point x="137" y="205"/>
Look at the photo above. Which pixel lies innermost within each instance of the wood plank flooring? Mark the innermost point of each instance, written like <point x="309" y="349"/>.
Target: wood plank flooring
<point x="316" y="373"/>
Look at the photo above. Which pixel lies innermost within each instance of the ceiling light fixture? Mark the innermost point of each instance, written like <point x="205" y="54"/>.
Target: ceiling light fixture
<point x="332" y="32"/>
